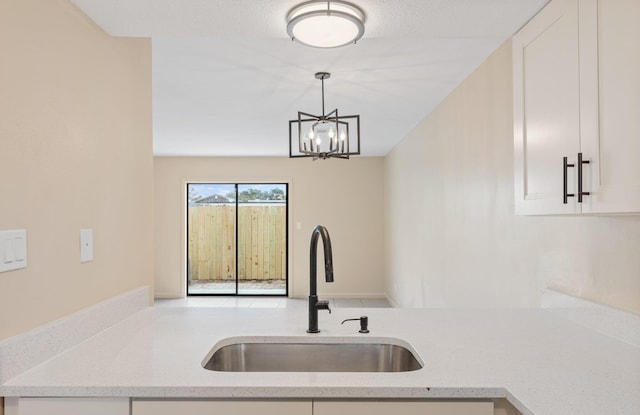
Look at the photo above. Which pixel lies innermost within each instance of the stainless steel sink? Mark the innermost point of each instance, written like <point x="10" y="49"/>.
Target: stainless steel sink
<point x="311" y="355"/>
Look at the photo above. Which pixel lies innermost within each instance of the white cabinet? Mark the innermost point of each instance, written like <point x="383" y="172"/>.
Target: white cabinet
<point x="546" y="106"/>
<point x="318" y="407"/>
<point x="577" y="90"/>
<point x="122" y="406"/>
<point x="66" y="406"/>
<point x="616" y="181"/>
<point x="385" y="407"/>
<point x="212" y="407"/>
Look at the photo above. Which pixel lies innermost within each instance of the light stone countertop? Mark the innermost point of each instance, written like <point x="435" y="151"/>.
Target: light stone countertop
<point x="542" y="363"/>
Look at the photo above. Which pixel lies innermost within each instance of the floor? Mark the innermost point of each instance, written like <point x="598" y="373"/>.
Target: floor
<point x="256" y="294"/>
<point x="269" y="302"/>
<point x="247" y="287"/>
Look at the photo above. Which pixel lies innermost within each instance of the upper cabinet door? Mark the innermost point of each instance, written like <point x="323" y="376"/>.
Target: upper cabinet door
<point x="546" y="77"/>
<point x="577" y="90"/>
<point x="614" y="183"/>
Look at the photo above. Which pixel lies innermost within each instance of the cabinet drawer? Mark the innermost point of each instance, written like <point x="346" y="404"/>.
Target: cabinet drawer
<point x="209" y="407"/>
<point x="385" y="407"/>
<point x="66" y="406"/>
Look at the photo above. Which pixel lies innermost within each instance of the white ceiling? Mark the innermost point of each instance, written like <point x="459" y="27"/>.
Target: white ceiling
<point x="226" y="79"/>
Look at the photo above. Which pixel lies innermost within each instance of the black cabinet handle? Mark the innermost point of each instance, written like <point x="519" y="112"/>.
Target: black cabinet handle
<point x="565" y="166"/>
<point x="580" y="192"/>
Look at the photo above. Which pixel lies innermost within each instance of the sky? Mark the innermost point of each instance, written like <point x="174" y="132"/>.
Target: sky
<point x="209" y="189"/>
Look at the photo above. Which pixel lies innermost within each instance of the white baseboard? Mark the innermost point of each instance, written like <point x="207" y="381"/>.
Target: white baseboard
<point x="391" y="301"/>
<point x="167" y="295"/>
<point x="351" y="295"/>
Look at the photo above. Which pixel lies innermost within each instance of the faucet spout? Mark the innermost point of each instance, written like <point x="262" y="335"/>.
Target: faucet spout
<point x="314" y="303"/>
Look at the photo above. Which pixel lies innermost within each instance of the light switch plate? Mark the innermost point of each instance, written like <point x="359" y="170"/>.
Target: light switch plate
<point x="86" y="245"/>
<point x="13" y="250"/>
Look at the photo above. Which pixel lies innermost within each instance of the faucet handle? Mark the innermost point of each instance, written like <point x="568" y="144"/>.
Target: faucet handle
<point x="364" y="322"/>
<point x="323" y="305"/>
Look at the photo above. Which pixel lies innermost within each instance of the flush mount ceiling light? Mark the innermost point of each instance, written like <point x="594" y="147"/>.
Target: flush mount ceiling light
<point x="324" y="136"/>
<point x="325" y="24"/>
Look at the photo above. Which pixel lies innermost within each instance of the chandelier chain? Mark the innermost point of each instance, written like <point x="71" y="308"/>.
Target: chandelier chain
<point x="322" y="97"/>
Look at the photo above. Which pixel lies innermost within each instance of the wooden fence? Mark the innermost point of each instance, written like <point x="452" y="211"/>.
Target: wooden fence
<point x="262" y="243"/>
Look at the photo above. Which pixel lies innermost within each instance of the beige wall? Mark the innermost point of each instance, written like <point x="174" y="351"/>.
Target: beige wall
<point x="452" y="239"/>
<point x="343" y="195"/>
<point x="76" y="152"/>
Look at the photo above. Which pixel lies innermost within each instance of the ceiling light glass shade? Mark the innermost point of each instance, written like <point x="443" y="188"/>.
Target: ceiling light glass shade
<point x="324" y="136"/>
<point x="325" y="24"/>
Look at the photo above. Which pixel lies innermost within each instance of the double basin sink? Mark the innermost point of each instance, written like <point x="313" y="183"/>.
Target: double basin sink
<point x="304" y="354"/>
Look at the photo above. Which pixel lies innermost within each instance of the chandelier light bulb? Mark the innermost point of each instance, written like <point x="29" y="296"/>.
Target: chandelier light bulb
<point x="311" y="134"/>
<point x="332" y="133"/>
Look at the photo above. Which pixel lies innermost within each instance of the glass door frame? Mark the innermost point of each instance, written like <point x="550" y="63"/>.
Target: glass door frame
<point x="287" y="186"/>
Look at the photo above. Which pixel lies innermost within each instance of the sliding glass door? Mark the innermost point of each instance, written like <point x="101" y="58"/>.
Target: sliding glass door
<point x="237" y="239"/>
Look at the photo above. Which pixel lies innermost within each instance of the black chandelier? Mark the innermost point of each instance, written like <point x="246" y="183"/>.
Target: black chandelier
<point x="324" y="136"/>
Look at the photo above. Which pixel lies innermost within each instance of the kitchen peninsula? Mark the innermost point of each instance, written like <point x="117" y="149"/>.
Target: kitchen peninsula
<point x="540" y="361"/>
